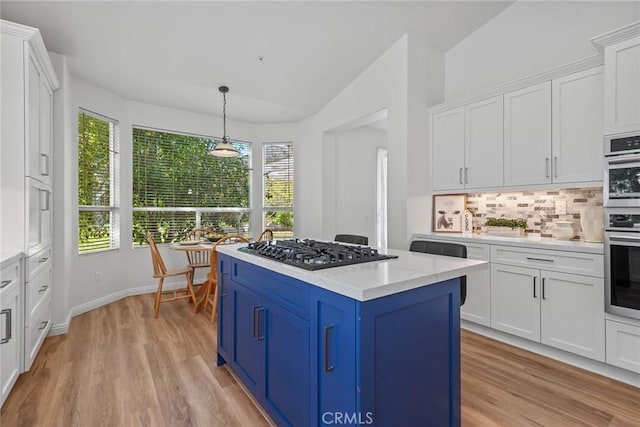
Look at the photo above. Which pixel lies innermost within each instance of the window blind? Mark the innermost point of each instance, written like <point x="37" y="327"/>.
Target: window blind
<point x="278" y="184"/>
<point x="97" y="191"/>
<point x="178" y="185"/>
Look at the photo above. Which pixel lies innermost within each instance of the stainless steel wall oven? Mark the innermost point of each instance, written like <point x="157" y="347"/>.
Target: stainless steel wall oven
<point x="622" y="225"/>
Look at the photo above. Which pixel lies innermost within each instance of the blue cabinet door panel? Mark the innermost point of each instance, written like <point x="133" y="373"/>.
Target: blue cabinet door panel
<point x="248" y="350"/>
<point x="286" y="340"/>
<point x="410" y="347"/>
<point x="333" y="329"/>
<point x="225" y="309"/>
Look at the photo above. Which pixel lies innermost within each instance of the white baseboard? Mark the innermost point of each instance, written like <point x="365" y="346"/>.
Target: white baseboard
<point x="590" y="365"/>
<point x="63" y="328"/>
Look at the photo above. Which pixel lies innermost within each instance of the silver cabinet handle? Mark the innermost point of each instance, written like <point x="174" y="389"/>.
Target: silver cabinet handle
<point x="543" y="297"/>
<point x="44" y="161"/>
<point x="539" y="259"/>
<point x="47" y="196"/>
<point x="43" y="259"/>
<point x="534" y="287"/>
<point x="461" y="176"/>
<point x="44" y="288"/>
<point x="555" y="167"/>
<point x="5" y="283"/>
<point x="325" y="339"/>
<point x="466" y="175"/>
<point x="7" y="326"/>
<point x="624" y="238"/>
<point x="44" y="325"/>
<point x="546" y="167"/>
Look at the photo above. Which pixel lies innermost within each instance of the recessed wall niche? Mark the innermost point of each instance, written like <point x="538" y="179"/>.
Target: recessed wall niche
<point x="537" y="207"/>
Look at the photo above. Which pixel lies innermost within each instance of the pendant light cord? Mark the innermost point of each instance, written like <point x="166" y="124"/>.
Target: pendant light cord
<point x="224" y="117"/>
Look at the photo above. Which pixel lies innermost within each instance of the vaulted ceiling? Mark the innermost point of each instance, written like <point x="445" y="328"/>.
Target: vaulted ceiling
<point x="283" y="61"/>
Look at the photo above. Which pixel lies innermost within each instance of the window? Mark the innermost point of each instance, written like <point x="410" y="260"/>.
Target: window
<point x="178" y="185"/>
<point x="98" y="169"/>
<point x="278" y="189"/>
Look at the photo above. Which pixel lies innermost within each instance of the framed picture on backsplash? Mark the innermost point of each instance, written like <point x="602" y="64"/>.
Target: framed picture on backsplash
<point x="447" y="212"/>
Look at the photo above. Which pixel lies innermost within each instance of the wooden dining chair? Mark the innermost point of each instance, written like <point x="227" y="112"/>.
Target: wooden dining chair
<point x="211" y="297"/>
<point x="160" y="272"/>
<point x="267" y="234"/>
<point x="198" y="259"/>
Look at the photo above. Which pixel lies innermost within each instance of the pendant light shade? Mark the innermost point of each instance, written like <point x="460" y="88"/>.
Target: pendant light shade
<point x="224" y="147"/>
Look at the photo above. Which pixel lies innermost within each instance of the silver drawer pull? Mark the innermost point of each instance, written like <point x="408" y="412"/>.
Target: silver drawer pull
<point x="44" y="288"/>
<point x="624" y="238"/>
<point x="7" y="326"/>
<point x="539" y="259"/>
<point x="5" y="283"/>
<point x="44" y="259"/>
<point x="44" y="325"/>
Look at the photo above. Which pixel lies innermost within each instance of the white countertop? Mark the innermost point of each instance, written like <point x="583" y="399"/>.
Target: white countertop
<point x="371" y="280"/>
<point x="527" y="242"/>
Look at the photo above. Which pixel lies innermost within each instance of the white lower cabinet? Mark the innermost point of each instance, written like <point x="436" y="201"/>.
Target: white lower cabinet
<point x="557" y="309"/>
<point x="477" y="307"/>
<point x="10" y="334"/>
<point x="38" y="309"/>
<point x="623" y="345"/>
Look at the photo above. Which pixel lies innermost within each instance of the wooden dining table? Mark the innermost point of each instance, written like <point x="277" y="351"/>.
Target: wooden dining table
<point x="187" y="247"/>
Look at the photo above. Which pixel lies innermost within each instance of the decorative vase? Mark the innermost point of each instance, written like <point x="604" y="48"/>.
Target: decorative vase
<point x="592" y="223"/>
<point x="564" y="230"/>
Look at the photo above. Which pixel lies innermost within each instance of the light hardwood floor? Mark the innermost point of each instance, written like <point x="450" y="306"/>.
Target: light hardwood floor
<point x="118" y="366"/>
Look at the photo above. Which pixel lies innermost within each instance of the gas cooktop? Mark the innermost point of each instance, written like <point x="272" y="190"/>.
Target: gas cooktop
<point x="314" y="255"/>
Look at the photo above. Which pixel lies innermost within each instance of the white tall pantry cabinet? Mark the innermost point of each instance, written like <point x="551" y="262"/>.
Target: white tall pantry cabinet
<point x="28" y="81"/>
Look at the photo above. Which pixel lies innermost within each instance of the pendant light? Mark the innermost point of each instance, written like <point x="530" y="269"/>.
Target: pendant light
<point x="224" y="147"/>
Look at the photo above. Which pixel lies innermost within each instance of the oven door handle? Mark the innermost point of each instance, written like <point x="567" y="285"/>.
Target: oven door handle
<point x="624" y="238"/>
<point x="623" y="159"/>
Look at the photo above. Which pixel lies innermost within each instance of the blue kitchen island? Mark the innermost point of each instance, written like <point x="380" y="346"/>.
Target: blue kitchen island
<point x="367" y="344"/>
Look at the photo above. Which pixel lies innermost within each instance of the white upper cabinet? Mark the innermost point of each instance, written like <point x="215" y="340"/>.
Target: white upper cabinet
<point x="447" y="136"/>
<point x="39" y="121"/>
<point x="578" y="120"/>
<point x="527" y="135"/>
<point x="622" y="86"/>
<point x="621" y="78"/>
<point x="483" y="144"/>
<point x="467" y="146"/>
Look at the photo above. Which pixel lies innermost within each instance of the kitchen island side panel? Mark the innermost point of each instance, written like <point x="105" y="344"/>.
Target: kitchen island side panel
<point x="410" y="357"/>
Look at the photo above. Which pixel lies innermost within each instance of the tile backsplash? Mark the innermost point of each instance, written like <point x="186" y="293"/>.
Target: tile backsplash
<point x="538" y="207"/>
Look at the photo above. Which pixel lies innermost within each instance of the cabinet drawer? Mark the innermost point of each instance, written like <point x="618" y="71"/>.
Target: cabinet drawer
<point x="10" y="275"/>
<point x="623" y="345"/>
<point x="292" y="294"/>
<point x="38" y="262"/>
<point x="39" y="325"/>
<point x="38" y="289"/>
<point x="564" y="262"/>
<point x="479" y="252"/>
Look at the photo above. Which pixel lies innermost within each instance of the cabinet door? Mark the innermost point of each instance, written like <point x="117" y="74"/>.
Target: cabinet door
<point x="578" y="126"/>
<point x="571" y="313"/>
<point x="333" y="365"/>
<point x="515" y="300"/>
<point x="39" y="215"/>
<point x="46" y="132"/>
<point x="623" y="345"/>
<point x="477" y="307"/>
<point x="447" y="139"/>
<point x="248" y="351"/>
<point x="286" y="364"/>
<point x="484" y="148"/>
<point x="9" y="336"/>
<point x="225" y="308"/>
<point x="622" y="86"/>
<point x="527" y="135"/>
<point x="32" y="158"/>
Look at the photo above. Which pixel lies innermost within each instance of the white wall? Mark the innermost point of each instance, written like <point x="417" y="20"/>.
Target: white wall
<point x="355" y="159"/>
<point x="125" y="270"/>
<point x="530" y="37"/>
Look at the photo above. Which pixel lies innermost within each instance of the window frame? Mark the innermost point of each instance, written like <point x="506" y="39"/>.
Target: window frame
<point x="198" y="210"/>
<point x="114" y="188"/>
<point x="265" y="208"/>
